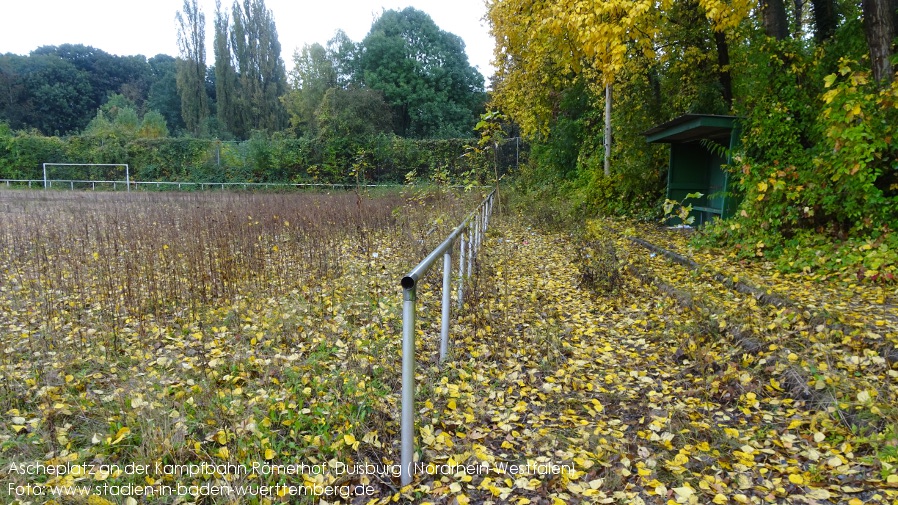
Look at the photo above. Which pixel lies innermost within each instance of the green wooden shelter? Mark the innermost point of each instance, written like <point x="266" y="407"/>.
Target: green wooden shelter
<point x="700" y="144"/>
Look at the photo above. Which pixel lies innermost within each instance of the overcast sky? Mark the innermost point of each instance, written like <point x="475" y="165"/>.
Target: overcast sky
<point x="147" y="27"/>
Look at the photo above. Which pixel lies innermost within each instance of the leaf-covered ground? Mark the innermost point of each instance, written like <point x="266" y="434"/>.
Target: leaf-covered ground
<point x="584" y="368"/>
<point x="650" y="382"/>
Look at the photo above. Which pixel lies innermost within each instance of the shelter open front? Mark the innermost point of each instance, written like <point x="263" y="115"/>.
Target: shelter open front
<point x="700" y="146"/>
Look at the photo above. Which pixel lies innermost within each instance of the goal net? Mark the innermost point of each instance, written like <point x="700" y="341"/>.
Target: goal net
<point x="87" y="176"/>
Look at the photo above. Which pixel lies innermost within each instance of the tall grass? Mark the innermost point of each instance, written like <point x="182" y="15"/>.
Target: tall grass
<point x="121" y="259"/>
<point x="205" y="327"/>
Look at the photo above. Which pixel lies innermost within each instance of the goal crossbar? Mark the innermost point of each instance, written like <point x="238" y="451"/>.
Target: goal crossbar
<point x="47" y="182"/>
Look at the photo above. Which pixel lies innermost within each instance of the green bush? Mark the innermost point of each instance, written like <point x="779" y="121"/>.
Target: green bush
<point x="819" y="171"/>
<point x="263" y="158"/>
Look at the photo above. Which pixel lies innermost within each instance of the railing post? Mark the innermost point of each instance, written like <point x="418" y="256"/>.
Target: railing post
<point x="461" y="272"/>
<point x="475" y="221"/>
<point x="407" y="427"/>
<point x="470" y="254"/>
<point x="447" y="300"/>
<point x="490" y="205"/>
<point x="479" y="227"/>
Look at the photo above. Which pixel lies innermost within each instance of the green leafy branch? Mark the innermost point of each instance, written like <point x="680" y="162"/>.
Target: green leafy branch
<point x="673" y="208"/>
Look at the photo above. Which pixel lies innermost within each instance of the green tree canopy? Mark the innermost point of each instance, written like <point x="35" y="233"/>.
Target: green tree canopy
<point x="344" y="55"/>
<point x="45" y="92"/>
<point x="424" y="75"/>
<point x="163" y="93"/>
<point x="356" y="113"/>
<point x="118" y="117"/>
<point x="106" y="73"/>
<point x="57" y="89"/>
<point x="313" y="75"/>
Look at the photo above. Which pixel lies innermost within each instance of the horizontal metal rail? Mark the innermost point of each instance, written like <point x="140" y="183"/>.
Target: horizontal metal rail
<point x="199" y="185"/>
<point x="181" y="184"/>
<point x="48" y="182"/>
<point x="470" y="235"/>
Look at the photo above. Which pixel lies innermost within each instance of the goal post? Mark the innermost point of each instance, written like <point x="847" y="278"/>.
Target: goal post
<point x="48" y="182"/>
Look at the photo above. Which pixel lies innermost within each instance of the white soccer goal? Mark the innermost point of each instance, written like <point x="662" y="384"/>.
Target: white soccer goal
<point x="48" y="182"/>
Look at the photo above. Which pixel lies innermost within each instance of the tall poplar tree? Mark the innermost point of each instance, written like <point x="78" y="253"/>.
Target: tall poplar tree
<point x="250" y="76"/>
<point x="191" y="73"/>
<point x="225" y="73"/>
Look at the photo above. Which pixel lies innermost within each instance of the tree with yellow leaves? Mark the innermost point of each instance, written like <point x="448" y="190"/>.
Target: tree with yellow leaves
<point x="543" y="46"/>
<point x="814" y="91"/>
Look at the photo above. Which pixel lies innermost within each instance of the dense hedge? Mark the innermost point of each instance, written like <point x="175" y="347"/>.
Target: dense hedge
<point x="382" y="159"/>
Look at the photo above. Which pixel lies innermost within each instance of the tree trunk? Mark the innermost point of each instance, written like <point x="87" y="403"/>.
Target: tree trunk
<point x="893" y="8"/>
<point x="776" y="25"/>
<point x="879" y="29"/>
<point x="723" y="68"/>
<point x="607" y="130"/>
<point x="825" y="21"/>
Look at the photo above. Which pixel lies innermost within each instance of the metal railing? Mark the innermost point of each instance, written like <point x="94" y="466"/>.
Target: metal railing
<point x="48" y="182"/>
<point x="469" y="234"/>
<point x="160" y="185"/>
